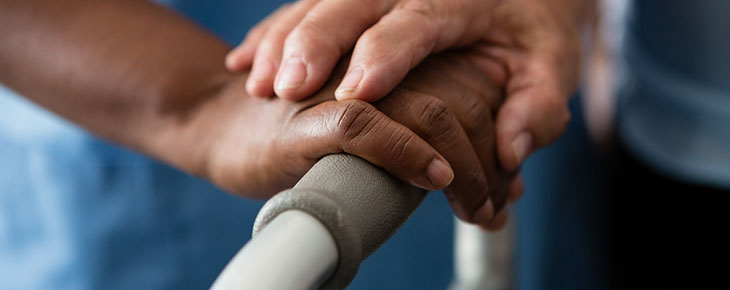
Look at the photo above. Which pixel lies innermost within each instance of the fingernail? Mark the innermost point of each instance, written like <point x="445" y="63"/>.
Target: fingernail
<point x="439" y="173"/>
<point x="349" y="84"/>
<point x="263" y="70"/>
<point x="292" y="75"/>
<point x="485" y="213"/>
<point x="521" y="146"/>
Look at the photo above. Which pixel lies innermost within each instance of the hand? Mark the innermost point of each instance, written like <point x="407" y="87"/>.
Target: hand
<point x="141" y="89"/>
<point x="298" y="46"/>
<point x="442" y="111"/>
<point x="530" y="47"/>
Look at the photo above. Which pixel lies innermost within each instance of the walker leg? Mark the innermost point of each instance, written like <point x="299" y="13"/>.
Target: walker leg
<point x="482" y="261"/>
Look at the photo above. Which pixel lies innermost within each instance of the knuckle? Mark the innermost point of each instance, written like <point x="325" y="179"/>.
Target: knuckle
<point x="355" y="119"/>
<point x="378" y="45"/>
<point x="265" y="51"/>
<point x="435" y="119"/>
<point x="372" y="48"/>
<point x="427" y="14"/>
<point x="309" y="27"/>
<point x="372" y="39"/>
<point x="279" y="31"/>
<point x="400" y="143"/>
<point x="477" y="120"/>
<point x="309" y="35"/>
<point x="271" y="41"/>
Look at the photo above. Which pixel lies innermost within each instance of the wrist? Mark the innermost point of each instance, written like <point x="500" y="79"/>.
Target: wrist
<point x="189" y="123"/>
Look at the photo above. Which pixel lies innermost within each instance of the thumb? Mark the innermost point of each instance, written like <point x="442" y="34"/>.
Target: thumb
<point x="535" y="112"/>
<point x="403" y="38"/>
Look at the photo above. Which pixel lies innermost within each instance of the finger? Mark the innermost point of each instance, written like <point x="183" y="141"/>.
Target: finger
<point x="268" y="53"/>
<point x="315" y="45"/>
<point x="472" y="97"/>
<point x="433" y="121"/>
<point x="516" y="189"/>
<point x="358" y="128"/>
<point x="534" y="114"/>
<point x="398" y="42"/>
<point x="499" y="221"/>
<point x="241" y="57"/>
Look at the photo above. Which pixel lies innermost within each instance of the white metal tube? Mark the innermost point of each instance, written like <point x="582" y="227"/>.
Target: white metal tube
<point x="482" y="261"/>
<point x="294" y="251"/>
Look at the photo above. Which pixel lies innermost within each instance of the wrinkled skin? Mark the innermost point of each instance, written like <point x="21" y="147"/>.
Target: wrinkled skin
<point x="145" y="78"/>
<point x="443" y="101"/>
<point x="529" y="47"/>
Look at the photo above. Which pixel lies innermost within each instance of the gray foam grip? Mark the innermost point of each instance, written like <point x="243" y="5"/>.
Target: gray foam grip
<point x="360" y="204"/>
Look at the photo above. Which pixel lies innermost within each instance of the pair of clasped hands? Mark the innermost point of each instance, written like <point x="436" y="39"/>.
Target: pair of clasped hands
<point x="442" y="94"/>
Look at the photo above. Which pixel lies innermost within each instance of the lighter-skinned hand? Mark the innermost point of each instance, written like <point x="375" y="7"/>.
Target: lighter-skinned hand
<point x="530" y="48"/>
<point x="442" y="112"/>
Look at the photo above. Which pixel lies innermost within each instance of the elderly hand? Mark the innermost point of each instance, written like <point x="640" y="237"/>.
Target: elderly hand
<point x="442" y="113"/>
<point x="294" y="51"/>
<point x="528" y="47"/>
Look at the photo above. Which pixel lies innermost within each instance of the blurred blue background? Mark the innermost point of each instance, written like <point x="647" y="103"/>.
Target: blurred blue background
<point x="562" y="230"/>
<point x="79" y="213"/>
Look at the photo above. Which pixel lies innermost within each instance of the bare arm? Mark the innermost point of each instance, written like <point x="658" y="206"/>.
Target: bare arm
<point x="127" y="70"/>
<point x="139" y="75"/>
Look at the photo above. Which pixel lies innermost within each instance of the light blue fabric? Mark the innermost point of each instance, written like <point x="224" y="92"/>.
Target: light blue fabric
<point x="79" y="213"/>
<point x="674" y="110"/>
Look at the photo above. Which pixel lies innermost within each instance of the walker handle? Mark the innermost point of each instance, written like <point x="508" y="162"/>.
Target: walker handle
<point x="360" y="204"/>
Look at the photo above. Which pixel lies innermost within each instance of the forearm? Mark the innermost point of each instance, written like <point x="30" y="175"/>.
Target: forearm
<point x="128" y="70"/>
